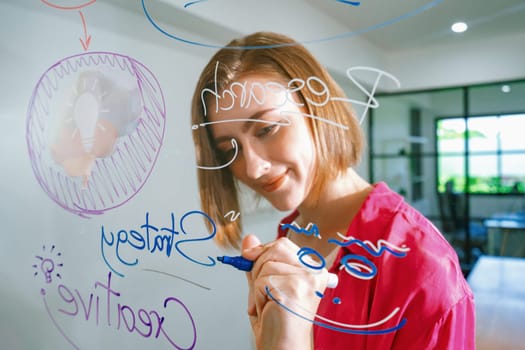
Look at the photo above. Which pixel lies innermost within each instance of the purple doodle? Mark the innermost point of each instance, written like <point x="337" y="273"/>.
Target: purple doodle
<point x="95" y="126"/>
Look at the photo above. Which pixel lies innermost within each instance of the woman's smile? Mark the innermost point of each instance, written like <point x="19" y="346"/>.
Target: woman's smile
<point x="274" y="183"/>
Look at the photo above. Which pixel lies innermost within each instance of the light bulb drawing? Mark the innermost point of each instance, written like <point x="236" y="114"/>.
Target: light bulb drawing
<point x="47" y="265"/>
<point x="86" y="117"/>
<point x="84" y="135"/>
<point x="95" y="127"/>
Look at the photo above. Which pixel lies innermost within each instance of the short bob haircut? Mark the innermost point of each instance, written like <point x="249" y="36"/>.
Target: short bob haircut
<point x="281" y="58"/>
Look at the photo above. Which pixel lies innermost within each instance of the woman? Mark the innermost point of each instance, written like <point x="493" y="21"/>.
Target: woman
<point x="272" y="118"/>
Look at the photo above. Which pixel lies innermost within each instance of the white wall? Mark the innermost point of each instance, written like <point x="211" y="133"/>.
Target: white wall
<point x="35" y="38"/>
<point x="489" y="60"/>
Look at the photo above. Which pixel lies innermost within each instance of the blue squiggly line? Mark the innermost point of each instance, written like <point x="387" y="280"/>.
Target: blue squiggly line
<point x="367" y="248"/>
<point x="188" y="4"/>
<point x="314" y="230"/>
<point x="307" y="251"/>
<point x="353" y="3"/>
<point x="335" y="328"/>
<point x="349" y="34"/>
<point x="354" y="271"/>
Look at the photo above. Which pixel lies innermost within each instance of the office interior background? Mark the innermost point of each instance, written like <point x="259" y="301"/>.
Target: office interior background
<point x="447" y="135"/>
<point x="444" y="123"/>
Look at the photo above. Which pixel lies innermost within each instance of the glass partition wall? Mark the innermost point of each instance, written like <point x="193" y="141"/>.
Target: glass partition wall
<point x="458" y="156"/>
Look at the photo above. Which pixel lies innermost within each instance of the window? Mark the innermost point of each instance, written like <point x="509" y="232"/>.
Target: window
<point x="493" y="148"/>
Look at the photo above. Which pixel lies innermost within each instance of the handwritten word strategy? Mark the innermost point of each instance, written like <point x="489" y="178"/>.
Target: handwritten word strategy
<point x="104" y="307"/>
<point x="155" y="240"/>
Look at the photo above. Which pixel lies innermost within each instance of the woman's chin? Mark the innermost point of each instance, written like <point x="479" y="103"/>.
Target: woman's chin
<point x="284" y="205"/>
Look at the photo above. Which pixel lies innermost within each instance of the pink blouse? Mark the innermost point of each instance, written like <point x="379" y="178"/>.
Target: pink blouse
<point x="400" y="284"/>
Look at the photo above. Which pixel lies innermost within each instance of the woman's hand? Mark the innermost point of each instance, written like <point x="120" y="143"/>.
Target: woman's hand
<point x="277" y="270"/>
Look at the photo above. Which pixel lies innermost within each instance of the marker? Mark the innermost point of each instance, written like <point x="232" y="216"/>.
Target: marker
<point x="239" y="262"/>
<point x="244" y="264"/>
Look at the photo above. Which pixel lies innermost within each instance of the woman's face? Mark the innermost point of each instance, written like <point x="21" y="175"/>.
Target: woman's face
<point x="275" y="152"/>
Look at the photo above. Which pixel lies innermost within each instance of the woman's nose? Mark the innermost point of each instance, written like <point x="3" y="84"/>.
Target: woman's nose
<point x="256" y="163"/>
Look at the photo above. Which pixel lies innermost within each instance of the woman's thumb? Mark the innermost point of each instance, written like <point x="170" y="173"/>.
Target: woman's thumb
<point x="251" y="247"/>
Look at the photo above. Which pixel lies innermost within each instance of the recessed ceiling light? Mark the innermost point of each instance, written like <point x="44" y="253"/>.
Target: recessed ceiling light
<point x="505" y="89"/>
<point x="459" y="27"/>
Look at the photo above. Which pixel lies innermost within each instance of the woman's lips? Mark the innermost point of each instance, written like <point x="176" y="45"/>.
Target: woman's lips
<point x="274" y="184"/>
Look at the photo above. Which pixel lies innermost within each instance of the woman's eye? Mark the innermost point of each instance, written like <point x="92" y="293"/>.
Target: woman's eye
<point x="267" y="130"/>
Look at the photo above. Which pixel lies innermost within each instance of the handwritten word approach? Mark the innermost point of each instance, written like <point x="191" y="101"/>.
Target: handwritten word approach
<point x="125" y="245"/>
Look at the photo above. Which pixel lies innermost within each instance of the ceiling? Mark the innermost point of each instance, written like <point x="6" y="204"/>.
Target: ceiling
<point x="404" y="24"/>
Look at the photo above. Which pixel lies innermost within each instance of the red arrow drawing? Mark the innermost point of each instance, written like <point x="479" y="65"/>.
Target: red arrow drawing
<point x="73" y="7"/>
<point x="87" y="38"/>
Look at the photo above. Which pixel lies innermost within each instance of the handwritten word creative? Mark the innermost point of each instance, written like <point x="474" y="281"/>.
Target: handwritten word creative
<point x="122" y="247"/>
<point x="104" y="307"/>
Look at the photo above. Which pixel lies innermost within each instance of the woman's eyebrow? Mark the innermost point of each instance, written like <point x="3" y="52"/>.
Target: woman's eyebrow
<point x="255" y="117"/>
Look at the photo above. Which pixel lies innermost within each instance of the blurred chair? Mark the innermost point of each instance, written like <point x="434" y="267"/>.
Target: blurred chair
<point x="454" y="224"/>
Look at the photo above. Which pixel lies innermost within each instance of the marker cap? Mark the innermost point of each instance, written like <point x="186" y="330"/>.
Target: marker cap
<point x="333" y="280"/>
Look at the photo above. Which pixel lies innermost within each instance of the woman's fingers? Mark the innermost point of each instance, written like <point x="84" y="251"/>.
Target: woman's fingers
<point x="250" y="243"/>
<point x="289" y="285"/>
<point x="279" y="271"/>
<point x="280" y="277"/>
<point x="251" y="247"/>
<point x="281" y="250"/>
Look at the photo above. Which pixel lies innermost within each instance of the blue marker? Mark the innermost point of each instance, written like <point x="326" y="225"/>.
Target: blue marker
<point x="237" y="261"/>
<point x="246" y="265"/>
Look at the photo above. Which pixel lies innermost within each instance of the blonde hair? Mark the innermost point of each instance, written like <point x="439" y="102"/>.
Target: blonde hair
<point x="279" y="57"/>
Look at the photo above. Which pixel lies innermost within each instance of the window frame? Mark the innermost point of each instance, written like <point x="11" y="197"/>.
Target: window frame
<point x="467" y="155"/>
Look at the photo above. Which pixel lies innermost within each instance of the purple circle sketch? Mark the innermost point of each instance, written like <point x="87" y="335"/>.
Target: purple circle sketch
<point x="95" y="126"/>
